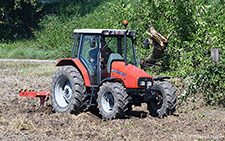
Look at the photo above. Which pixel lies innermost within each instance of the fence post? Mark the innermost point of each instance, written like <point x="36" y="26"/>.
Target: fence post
<point x="215" y="54"/>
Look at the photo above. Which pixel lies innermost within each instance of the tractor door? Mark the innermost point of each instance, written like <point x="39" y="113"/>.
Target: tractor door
<point x="112" y="48"/>
<point x="89" y="54"/>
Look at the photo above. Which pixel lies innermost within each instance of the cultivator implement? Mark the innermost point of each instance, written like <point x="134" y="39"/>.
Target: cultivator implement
<point x="44" y="96"/>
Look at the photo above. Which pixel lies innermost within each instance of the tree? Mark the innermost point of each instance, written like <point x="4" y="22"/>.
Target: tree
<point x="159" y="44"/>
<point x="18" y="18"/>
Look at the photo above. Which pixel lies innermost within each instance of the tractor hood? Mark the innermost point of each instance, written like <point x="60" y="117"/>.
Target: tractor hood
<point x="129" y="74"/>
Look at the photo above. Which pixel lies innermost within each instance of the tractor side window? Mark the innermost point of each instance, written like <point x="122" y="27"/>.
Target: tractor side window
<point x="130" y="52"/>
<point x="76" y="46"/>
<point x="89" y="55"/>
<point x="116" y="44"/>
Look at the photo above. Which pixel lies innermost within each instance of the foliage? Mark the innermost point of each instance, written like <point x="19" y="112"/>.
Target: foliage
<point x="18" y="18"/>
<point x="196" y="27"/>
<point x="209" y="80"/>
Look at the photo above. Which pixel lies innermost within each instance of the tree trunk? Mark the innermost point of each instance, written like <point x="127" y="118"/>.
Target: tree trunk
<point x="159" y="44"/>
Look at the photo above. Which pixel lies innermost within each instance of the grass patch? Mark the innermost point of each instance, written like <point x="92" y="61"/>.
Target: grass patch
<point x="25" y="50"/>
<point x="31" y="68"/>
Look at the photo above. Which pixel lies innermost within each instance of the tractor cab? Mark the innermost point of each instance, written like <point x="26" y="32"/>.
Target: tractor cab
<point x="97" y="49"/>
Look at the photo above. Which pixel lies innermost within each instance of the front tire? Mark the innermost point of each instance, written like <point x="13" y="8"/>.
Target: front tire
<point x="165" y="101"/>
<point x="112" y="100"/>
<point x="67" y="90"/>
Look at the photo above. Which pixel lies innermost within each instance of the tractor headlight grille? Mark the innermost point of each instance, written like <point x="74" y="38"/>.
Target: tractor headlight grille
<point x="142" y="82"/>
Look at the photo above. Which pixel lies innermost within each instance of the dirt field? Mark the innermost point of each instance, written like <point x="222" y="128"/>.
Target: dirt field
<point x="23" y="118"/>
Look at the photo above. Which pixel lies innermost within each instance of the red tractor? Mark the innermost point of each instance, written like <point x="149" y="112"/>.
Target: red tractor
<point x="103" y="72"/>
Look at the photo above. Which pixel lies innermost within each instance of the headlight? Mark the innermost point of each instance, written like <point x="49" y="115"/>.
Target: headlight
<point x="149" y="83"/>
<point x="143" y="81"/>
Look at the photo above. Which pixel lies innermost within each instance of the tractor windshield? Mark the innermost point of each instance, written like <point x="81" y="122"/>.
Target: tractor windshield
<point x="116" y="45"/>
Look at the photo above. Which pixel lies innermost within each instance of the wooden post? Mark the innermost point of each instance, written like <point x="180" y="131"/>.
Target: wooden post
<point x="215" y="54"/>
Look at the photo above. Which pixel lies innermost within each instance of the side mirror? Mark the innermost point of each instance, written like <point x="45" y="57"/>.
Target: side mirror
<point x="92" y="42"/>
<point x="147" y="44"/>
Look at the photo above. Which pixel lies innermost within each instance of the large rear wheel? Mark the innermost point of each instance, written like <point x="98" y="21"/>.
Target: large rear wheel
<point x="67" y="90"/>
<point x="112" y="100"/>
<point x="164" y="102"/>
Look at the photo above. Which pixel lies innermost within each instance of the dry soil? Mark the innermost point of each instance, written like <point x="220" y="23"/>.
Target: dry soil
<point x="23" y="119"/>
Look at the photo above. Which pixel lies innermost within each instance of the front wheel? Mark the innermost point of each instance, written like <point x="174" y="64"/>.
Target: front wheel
<point x="112" y="100"/>
<point x="164" y="102"/>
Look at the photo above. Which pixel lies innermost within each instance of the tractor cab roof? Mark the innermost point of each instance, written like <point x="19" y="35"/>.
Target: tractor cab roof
<point x="106" y="32"/>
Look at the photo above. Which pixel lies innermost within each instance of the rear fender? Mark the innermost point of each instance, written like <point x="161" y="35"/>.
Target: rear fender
<point x="76" y="63"/>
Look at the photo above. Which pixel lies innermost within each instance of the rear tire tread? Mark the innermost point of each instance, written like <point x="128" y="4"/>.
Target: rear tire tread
<point x="77" y="85"/>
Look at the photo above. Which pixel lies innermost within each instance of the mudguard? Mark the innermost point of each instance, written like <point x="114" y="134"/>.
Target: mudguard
<point x="111" y="79"/>
<point x="76" y="63"/>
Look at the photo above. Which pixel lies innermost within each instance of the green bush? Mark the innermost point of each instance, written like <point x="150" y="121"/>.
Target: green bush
<point x="209" y="80"/>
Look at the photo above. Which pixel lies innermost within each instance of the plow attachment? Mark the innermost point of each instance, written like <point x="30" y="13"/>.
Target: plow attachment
<point x="44" y="96"/>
